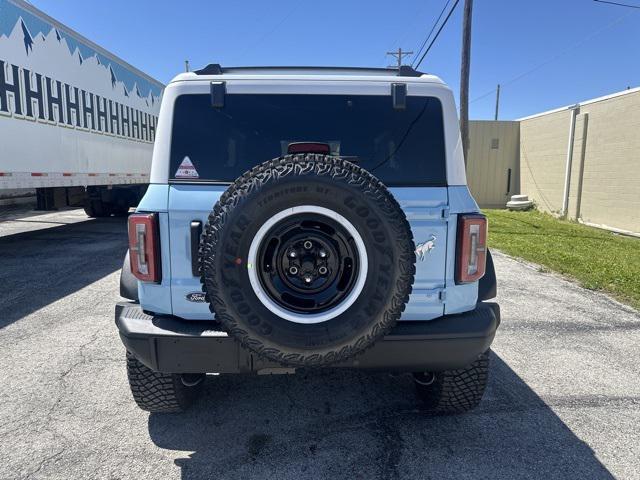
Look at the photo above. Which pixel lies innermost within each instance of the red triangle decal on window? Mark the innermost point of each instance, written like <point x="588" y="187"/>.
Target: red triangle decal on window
<point x="186" y="169"/>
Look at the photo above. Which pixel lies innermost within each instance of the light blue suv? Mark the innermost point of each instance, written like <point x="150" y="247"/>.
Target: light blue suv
<point x="305" y="217"/>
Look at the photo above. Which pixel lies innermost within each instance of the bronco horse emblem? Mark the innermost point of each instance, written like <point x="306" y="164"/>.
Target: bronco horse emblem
<point x="425" y="247"/>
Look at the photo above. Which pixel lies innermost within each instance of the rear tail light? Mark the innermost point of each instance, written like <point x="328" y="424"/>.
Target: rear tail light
<point x="471" y="255"/>
<point x="144" y="247"/>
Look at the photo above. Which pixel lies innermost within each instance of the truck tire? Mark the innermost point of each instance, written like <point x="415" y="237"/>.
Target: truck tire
<point x="454" y="391"/>
<point x="158" y="392"/>
<point x="119" y="209"/>
<point x="96" y="209"/>
<point x="307" y="260"/>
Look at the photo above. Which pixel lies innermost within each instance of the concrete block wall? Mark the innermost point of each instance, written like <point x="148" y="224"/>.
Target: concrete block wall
<point x="605" y="174"/>
<point x="543" y="150"/>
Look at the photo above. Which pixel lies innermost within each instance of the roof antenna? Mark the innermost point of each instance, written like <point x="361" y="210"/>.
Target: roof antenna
<point x="186" y="66"/>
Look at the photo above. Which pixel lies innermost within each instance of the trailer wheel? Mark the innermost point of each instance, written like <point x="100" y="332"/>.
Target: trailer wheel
<point x="96" y="209"/>
<point x="119" y="210"/>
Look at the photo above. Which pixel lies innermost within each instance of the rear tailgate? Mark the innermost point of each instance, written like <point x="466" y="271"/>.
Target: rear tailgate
<point x="426" y="210"/>
<point x="188" y="203"/>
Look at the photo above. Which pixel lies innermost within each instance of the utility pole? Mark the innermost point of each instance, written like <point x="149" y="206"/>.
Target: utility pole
<point x="464" y="77"/>
<point x="186" y="65"/>
<point x="399" y="54"/>
<point x="497" y="101"/>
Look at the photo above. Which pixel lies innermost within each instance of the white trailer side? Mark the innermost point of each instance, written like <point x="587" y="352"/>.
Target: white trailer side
<point x="71" y="115"/>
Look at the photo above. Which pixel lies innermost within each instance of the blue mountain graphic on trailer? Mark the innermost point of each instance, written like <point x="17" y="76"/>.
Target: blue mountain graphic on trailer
<point x="113" y="77"/>
<point x="36" y="31"/>
<point x="28" y="41"/>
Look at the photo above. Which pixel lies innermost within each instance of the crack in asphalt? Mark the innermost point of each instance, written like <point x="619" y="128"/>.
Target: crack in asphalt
<point x="44" y="461"/>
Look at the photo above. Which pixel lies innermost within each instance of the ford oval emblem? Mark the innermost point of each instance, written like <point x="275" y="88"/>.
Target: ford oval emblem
<point x="197" y="297"/>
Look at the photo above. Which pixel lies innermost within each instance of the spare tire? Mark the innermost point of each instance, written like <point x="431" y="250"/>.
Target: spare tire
<point x="307" y="260"/>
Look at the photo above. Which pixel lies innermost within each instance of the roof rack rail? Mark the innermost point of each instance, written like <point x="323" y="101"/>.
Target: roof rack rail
<point x="408" y="71"/>
<point x="217" y="69"/>
<point x="211" y="69"/>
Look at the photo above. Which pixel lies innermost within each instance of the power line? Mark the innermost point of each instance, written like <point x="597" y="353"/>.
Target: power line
<point x="437" y="34"/>
<point x="554" y="57"/>
<point x="616" y="3"/>
<point x="273" y="29"/>
<point x="407" y="30"/>
<point x="433" y="27"/>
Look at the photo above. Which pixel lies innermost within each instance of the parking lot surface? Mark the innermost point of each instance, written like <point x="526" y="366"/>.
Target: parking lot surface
<point x="563" y="399"/>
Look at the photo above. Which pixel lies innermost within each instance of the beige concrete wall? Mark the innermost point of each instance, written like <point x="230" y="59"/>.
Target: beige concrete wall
<point x="493" y="150"/>
<point x="605" y="179"/>
<point x="543" y="149"/>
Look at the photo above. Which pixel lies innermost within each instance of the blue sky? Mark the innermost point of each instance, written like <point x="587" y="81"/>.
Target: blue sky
<point x="569" y="50"/>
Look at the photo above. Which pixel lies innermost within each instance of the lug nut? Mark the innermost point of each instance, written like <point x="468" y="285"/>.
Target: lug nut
<point x="308" y="278"/>
<point x="322" y="270"/>
<point x="292" y="254"/>
<point x="293" y="270"/>
<point x="307" y="245"/>
<point x="322" y="254"/>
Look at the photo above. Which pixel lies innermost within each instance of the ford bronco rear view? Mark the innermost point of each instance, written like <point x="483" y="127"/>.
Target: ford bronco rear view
<point x="301" y="218"/>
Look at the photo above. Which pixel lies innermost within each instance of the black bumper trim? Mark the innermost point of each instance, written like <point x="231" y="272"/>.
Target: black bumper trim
<point x="171" y="345"/>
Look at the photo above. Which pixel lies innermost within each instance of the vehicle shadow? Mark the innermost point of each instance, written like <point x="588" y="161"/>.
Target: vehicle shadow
<point x="42" y="266"/>
<point x="348" y="424"/>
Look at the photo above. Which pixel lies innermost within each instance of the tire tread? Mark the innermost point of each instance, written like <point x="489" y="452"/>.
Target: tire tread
<point x="456" y="391"/>
<point x="154" y="391"/>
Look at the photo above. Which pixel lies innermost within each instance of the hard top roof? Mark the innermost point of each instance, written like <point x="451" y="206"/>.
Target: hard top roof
<point x="217" y="69"/>
<point x="215" y="72"/>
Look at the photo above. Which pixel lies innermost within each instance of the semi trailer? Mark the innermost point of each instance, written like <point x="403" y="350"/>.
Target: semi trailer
<point x="77" y="123"/>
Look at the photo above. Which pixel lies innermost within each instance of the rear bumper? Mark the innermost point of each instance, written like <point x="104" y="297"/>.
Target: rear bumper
<point x="171" y="345"/>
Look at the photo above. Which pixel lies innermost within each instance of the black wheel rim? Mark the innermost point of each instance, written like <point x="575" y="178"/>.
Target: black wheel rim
<point x="307" y="263"/>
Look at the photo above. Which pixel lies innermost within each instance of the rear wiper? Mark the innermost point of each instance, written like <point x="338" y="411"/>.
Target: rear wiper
<point x="404" y="137"/>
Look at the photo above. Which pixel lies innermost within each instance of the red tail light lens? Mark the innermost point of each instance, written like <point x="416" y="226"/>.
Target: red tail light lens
<point x="471" y="255"/>
<point x="144" y="247"/>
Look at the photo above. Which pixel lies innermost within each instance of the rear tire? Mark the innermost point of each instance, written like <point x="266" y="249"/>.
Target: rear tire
<point x="454" y="391"/>
<point x="158" y="392"/>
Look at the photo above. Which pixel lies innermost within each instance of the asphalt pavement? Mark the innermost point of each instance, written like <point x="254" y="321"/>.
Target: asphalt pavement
<point x="563" y="399"/>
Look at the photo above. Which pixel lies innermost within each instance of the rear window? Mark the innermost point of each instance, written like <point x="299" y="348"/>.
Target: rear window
<point x="401" y="147"/>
